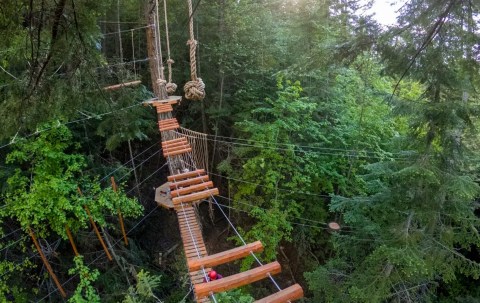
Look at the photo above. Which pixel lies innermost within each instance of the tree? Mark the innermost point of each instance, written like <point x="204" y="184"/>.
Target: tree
<point x="412" y="233"/>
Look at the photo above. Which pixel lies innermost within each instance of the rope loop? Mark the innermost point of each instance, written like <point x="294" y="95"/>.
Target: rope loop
<point x="195" y="90"/>
<point x="170" y="61"/>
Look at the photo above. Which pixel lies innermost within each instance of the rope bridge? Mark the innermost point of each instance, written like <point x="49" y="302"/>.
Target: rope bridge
<point x="188" y="185"/>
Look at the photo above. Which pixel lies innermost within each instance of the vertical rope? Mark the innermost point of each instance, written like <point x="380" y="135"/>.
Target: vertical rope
<point x="194" y="89"/>
<point x="133" y="56"/>
<point x="158" y="42"/>
<point x="170" y="86"/>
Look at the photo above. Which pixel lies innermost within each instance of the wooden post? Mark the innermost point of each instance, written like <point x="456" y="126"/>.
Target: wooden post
<point x="120" y="217"/>
<point x="94" y="225"/>
<point x="69" y="234"/>
<point x="47" y="264"/>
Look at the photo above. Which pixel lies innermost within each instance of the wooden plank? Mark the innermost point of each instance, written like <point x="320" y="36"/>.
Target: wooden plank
<point x="177" y="152"/>
<point x="172" y="151"/>
<point x="188" y="182"/>
<point x="181" y="214"/>
<point x="167" y="121"/>
<point x="191" y="252"/>
<point x="237" y="280"/>
<point x="161" y="110"/>
<point x="226" y="256"/>
<point x="191" y="189"/>
<point x="163" y="124"/>
<point x="187" y="215"/>
<point x="175" y="148"/>
<point x="170" y="145"/>
<point x="195" y="196"/>
<point x="171" y="127"/>
<point x="175" y="140"/>
<point x="121" y="85"/>
<point x="189" y="174"/>
<point x="188" y="236"/>
<point x="291" y="293"/>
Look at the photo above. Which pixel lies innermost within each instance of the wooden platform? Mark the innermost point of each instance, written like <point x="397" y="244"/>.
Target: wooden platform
<point x="163" y="196"/>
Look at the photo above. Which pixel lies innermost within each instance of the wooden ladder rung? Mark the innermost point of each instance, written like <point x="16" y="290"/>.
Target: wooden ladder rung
<point x="187" y="182"/>
<point x="169" y="127"/>
<point x="191" y="189"/>
<point x="182" y="176"/>
<point x="174" y="140"/>
<point x="168" y="121"/>
<point x="176" y="147"/>
<point x="225" y="256"/>
<point x="164" y="109"/>
<point x="195" y="196"/>
<point x="172" y="144"/>
<point x="177" y="152"/>
<point x="237" y="280"/>
<point x="291" y="293"/>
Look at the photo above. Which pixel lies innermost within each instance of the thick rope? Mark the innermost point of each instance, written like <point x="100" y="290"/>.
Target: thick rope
<point x="161" y="81"/>
<point x="171" y="87"/>
<point x="194" y="89"/>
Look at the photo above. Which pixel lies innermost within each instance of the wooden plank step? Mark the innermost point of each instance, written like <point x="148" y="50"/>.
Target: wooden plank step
<point x="191" y="189"/>
<point x="237" y="280"/>
<point x="291" y="293"/>
<point x="187" y="182"/>
<point x="183" y="224"/>
<point x="164" y="109"/>
<point x="190" y="174"/>
<point x="192" y="253"/>
<point x="195" y="196"/>
<point x="177" y="152"/>
<point x="175" y="140"/>
<point x="190" y="216"/>
<point x="175" y="144"/>
<point x="175" y="149"/>
<point x="167" y="121"/>
<point x="170" y="149"/>
<point x="187" y="236"/>
<point x="225" y="256"/>
<point x="165" y="124"/>
<point x="187" y="217"/>
<point x="170" y="127"/>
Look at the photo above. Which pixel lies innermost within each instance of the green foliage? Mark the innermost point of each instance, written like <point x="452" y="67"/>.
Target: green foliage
<point x="85" y="292"/>
<point x="234" y="296"/>
<point x="42" y="192"/>
<point x="143" y="292"/>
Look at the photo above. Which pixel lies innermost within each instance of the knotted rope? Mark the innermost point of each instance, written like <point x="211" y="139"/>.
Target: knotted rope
<point x="160" y="69"/>
<point x="194" y="89"/>
<point x="170" y="86"/>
